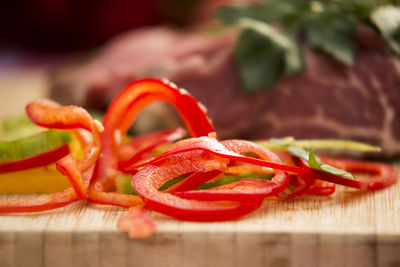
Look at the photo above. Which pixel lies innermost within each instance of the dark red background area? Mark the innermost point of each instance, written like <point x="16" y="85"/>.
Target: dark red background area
<point x="64" y="25"/>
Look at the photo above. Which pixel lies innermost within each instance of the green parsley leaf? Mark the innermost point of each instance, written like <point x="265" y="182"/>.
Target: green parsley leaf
<point x="329" y="31"/>
<point x="260" y="60"/>
<point x="233" y="13"/>
<point x="263" y="53"/>
<point x="316" y="163"/>
<point x="327" y="25"/>
<point x="298" y="152"/>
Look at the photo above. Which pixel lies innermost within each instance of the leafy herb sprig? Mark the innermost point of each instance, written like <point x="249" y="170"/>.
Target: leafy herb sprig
<point x="304" y="149"/>
<point x="269" y="45"/>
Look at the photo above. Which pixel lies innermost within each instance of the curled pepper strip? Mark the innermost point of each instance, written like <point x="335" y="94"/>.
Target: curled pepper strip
<point x="322" y="188"/>
<point x="246" y="188"/>
<point x="51" y="115"/>
<point x="206" y="156"/>
<point x="38" y="160"/>
<point x="303" y="183"/>
<point x="383" y="175"/>
<point x="148" y="179"/>
<point x="122" y="112"/>
<point x="40" y="203"/>
<point x="213" y="146"/>
<point x="151" y="142"/>
<point x="195" y="180"/>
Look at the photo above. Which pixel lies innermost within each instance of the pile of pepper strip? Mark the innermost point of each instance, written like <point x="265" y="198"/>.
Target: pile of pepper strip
<point x="199" y="160"/>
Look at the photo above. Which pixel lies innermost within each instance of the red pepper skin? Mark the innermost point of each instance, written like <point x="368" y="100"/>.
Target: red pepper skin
<point x="322" y="188"/>
<point x="124" y="110"/>
<point x="40" y="203"/>
<point x="151" y="141"/>
<point x="245" y="188"/>
<point x="147" y="180"/>
<point x="136" y="223"/>
<point x="212" y="145"/>
<point x="186" y="157"/>
<point x="304" y="182"/>
<point x="195" y="180"/>
<point x="50" y="114"/>
<point x="115" y="199"/>
<point x="384" y="175"/>
<point x="38" y="160"/>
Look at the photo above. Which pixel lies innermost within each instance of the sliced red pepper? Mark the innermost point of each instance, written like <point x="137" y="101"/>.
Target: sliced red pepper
<point x="245" y="188"/>
<point x="186" y="157"/>
<point x="50" y="114"/>
<point x="383" y="175"/>
<point x="195" y="180"/>
<point x="136" y="223"/>
<point x="304" y="182"/>
<point x="123" y="111"/>
<point x="322" y="188"/>
<point x="115" y="199"/>
<point x="38" y="160"/>
<point x="147" y="181"/>
<point x="212" y="145"/>
<point x="151" y="141"/>
<point x="40" y="203"/>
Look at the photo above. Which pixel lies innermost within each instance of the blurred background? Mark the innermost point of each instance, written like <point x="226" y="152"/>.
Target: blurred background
<point x="315" y="57"/>
<point x="37" y="36"/>
<point x="70" y="25"/>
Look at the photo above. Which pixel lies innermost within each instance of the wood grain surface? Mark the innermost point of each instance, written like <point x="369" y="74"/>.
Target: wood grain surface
<point x="351" y="228"/>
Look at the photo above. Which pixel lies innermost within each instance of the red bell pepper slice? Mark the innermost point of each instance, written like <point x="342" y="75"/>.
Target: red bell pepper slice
<point x="311" y="185"/>
<point x="38" y="160"/>
<point x="123" y="111"/>
<point x="144" y="144"/>
<point x="303" y="183"/>
<point x="125" y="108"/>
<point x="383" y="175"/>
<point x="322" y="188"/>
<point x="195" y="180"/>
<point x="50" y="114"/>
<point x="245" y="188"/>
<point x="186" y="157"/>
<point x="40" y="203"/>
<point x="147" y="181"/>
<point x="213" y="146"/>
<point x="136" y="223"/>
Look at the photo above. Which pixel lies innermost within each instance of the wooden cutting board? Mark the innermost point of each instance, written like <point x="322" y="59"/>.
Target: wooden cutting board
<point x="351" y="228"/>
<point x="348" y="229"/>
